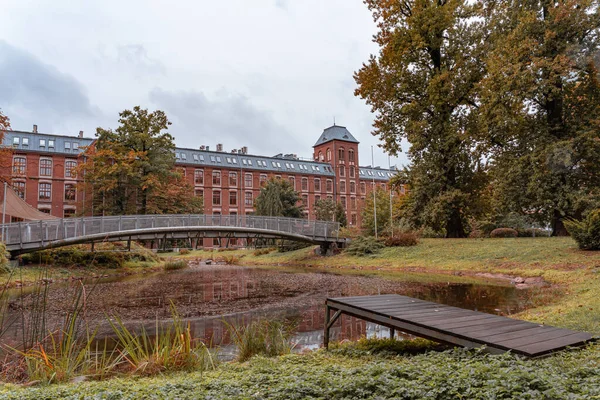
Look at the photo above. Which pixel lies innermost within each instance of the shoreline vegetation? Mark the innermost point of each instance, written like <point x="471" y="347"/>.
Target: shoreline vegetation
<point x="377" y="368"/>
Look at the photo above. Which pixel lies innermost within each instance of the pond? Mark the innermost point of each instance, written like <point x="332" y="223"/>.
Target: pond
<point x="212" y="296"/>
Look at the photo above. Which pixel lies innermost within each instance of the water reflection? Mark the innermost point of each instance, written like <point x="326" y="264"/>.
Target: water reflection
<point x="208" y="297"/>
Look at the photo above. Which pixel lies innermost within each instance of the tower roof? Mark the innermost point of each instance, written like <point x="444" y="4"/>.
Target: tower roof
<point x="336" y="132"/>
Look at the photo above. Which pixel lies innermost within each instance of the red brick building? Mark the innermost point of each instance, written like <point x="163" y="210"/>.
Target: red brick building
<point x="229" y="181"/>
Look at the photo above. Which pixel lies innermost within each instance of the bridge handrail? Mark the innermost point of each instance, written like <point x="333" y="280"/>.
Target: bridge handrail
<point x="46" y="231"/>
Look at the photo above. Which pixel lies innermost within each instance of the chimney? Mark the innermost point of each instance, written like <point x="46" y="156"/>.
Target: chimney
<point x="234" y="151"/>
<point x="219" y="147"/>
<point x="81" y="134"/>
<point x="245" y="150"/>
<point x="202" y="147"/>
<point x="35" y="129"/>
<point x="207" y="148"/>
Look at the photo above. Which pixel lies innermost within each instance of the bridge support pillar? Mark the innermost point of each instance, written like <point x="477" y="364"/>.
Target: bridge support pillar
<point x="325" y="249"/>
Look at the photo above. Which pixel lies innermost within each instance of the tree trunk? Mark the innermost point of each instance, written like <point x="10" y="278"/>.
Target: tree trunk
<point x="558" y="227"/>
<point x="454" y="225"/>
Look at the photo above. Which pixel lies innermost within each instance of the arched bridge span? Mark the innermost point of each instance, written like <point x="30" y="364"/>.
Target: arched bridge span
<point x="24" y="237"/>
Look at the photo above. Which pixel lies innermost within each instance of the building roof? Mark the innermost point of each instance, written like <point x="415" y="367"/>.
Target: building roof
<point x="376" y="173"/>
<point x="44" y="142"/>
<point x="251" y="162"/>
<point x="336" y="132"/>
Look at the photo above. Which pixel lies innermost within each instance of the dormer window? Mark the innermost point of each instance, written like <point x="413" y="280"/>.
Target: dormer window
<point x="25" y="142"/>
<point x="16" y="141"/>
<point x="213" y="159"/>
<point x="51" y="143"/>
<point x="75" y="146"/>
<point x="195" y="157"/>
<point x="42" y="142"/>
<point x="67" y="146"/>
<point x="183" y="156"/>
<point x="177" y="156"/>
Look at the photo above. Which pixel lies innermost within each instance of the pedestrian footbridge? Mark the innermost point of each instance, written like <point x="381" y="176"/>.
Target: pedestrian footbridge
<point x="28" y="236"/>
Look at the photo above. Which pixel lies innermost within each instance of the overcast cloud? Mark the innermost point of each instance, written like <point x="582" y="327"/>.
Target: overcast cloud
<point x="269" y="74"/>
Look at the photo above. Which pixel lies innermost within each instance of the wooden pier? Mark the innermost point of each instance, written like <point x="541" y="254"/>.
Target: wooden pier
<point x="453" y="325"/>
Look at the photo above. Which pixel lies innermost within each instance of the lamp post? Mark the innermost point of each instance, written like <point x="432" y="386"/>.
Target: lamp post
<point x="374" y="197"/>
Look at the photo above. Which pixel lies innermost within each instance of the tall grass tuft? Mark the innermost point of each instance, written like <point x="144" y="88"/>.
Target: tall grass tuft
<point x="262" y="337"/>
<point x="170" y="348"/>
<point x="68" y="352"/>
<point x="175" y="265"/>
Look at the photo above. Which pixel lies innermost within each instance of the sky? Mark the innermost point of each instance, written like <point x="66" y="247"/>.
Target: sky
<point x="267" y="74"/>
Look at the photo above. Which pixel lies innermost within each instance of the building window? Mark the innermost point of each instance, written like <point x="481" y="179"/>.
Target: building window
<point x="305" y="200"/>
<point x="342" y="171"/>
<point x="233" y="179"/>
<point x="352" y="172"/>
<point x="342" y="186"/>
<point x="328" y="154"/>
<point x="42" y="142"/>
<point x="329" y="185"/>
<point x="16" y="141"/>
<point x="352" y="187"/>
<point x="199" y="192"/>
<point x="216" y="198"/>
<point x="232" y="198"/>
<point x="19" y="188"/>
<point x="248" y="180"/>
<point x="70" y="192"/>
<point x="320" y="158"/>
<point x="263" y="180"/>
<point x="69" y="213"/>
<point x="249" y="201"/>
<point x="216" y="175"/>
<point x="341" y="155"/>
<point x="353" y="219"/>
<point x="305" y="184"/>
<point x="45" y="167"/>
<point x="45" y="191"/>
<point x="51" y="143"/>
<point x="351" y="155"/>
<point x="317" y="184"/>
<point x="343" y="201"/>
<point x="68" y="147"/>
<point x="292" y="182"/>
<point x="363" y="188"/>
<point x="19" y="165"/>
<point x="199" y="177"/>
<point x="75" y="146"/>
<point x="383" y="186"/>
<point x="70" y="166"/>
<point x="353" y="203"/>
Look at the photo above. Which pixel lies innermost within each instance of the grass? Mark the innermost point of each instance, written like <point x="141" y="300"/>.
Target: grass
<point x="172" y="265"/>
<point x="261" y="337"/>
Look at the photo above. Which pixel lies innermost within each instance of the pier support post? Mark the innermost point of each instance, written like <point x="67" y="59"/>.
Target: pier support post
<point x="392" y="333"/>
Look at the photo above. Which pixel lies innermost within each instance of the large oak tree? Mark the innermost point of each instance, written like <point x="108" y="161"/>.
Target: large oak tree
<point x="422" y="88"/>
<point x="541" y="108"/>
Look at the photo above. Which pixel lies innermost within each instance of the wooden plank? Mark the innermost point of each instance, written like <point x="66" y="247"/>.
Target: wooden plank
<point x="482" y="331"/>
<point x="407" y="308"/>
<point x="516" y="334"/>
<point x="459" y="322"/>
<point x="418" y="312"/>
<point x="443" y="315"/>
<point x="541" y="348"/>
<point x="539" y="337"/>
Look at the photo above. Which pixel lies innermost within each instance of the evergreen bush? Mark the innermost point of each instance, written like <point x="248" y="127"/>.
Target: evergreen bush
<point x="363" y="246"/>
<point x="586" y="232"/>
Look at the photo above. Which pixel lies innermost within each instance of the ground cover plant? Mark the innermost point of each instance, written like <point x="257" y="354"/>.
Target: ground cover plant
<point x="586" y="232"/>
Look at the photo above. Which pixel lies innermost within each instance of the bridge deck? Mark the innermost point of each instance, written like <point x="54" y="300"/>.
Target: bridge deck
<point x="456" y="326"/>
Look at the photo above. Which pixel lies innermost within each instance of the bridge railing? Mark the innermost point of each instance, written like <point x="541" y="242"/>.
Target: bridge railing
<point x="47" y="231"/>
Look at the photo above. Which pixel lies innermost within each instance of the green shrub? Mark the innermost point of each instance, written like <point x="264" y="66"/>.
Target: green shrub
<point x="363" y="246"/>
<point x="402" y="240"/>
<point x="287" y="245"/>
<point x="110" y="255"/>
<point x="533" y="232"/>
<point x="174" y="265"/>
<point x="430" y="233"/>
<point x="504" y="233"/>
<point x="586" y="232"/>
<point x="4" y="267"/>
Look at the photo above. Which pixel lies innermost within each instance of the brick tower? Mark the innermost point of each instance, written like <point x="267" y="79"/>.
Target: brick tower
<point x="339" y="148"/>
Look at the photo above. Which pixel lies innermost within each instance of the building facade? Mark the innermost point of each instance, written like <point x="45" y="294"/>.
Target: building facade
<point x="43" y="165"/>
